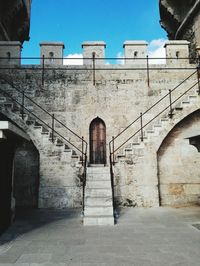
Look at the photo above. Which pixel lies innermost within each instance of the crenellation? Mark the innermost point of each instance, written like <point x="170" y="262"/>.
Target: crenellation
<point x="10" y="53"/>
<point x="135" y="52"/>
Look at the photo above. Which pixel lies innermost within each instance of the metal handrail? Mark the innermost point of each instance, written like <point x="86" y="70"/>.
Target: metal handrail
<point x="156" y="103"/>
<point x="111" y="146"/>
<point x="99" y="58"/>
<point x="112" y="149"/>
<point x="83" y="151"/>
<point x="40" y="107"/>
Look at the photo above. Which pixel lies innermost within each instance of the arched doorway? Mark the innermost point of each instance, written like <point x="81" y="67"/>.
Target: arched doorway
<point x="97" y="141"/>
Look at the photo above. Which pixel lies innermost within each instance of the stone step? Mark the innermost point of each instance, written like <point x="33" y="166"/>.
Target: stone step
<point x="157" y="126"/>
<point x="30" y="122"/>
<point x="98" y="192"/>
<point x="179" y="108"/>
<point x="2" y="99"/>
<point x="98" y="210"/>
<point x="185" y="102"/>
<point x="98" y="177"/>
<point x="96" y="220"/>
<point x="193" y="97"/>
<point x="8" y="105"/>
<point x="98" y="170"/>
<point x="98" y="201"/>
<point x="98" y="183"/>
<point x="150" y="131"/>
<point x="164" y="119"/>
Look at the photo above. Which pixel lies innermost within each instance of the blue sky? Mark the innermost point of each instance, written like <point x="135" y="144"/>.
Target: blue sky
<point x="76" y="21"/>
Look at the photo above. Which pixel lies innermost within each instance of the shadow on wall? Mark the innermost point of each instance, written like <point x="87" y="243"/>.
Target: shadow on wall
<point x="26" y="175"/>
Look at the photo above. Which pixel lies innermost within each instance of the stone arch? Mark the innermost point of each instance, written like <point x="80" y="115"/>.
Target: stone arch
<point x="16" y="170"/>
<point x="97" y="133"/>
<point x="174" y="121"/>
<point x="25" y="165"/>
<point x="179" y="164"/>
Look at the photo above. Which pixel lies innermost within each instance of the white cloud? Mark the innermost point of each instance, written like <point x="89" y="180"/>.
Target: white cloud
<point x="73" y="59"/>
<point x="157" y="50"/>
<point x="120" y="59"/>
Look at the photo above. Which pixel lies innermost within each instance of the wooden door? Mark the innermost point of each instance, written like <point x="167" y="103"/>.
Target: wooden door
<point x="97" y="142"/>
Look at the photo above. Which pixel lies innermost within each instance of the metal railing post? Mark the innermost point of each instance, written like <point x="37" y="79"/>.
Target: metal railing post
<point x="113" y="150"/>
<point x="93" y="69"/>
<point x="82" y="151"/>
<point x="22" y="107"/>
<point x="43" y="70"/>
<point x="148" y="78"/>
<point x="141" y="125"/>
<point x="198" y="74"/>
<point x="170" y="104"/>
<point x="52" y="132"/>
<point x="84" y="180"/>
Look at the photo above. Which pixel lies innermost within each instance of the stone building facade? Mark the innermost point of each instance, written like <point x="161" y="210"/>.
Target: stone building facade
<point x="153" y="166"/>
<point x="100" y="135"/>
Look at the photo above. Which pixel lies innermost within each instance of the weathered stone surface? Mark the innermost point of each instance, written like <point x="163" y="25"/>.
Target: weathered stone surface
<point x="117" y="98"/>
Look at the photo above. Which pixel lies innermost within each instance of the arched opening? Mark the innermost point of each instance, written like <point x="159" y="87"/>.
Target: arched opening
<point x="97" y="141"/>
<point x="19" y="172"/>
<point x="179" y="164"/>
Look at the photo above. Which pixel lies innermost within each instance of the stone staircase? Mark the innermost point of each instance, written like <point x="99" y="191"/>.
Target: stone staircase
<point x="156" y="127"/>
<point x="98" y="197"/>
<point x="59" y="162"/>
<point x="29" y="123"/>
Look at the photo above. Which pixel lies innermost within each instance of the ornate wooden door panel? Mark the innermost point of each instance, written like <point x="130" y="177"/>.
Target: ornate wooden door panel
<point x="97" y="142"/>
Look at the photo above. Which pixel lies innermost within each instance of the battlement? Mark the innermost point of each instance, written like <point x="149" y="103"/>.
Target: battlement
<point x="135" y="53"/>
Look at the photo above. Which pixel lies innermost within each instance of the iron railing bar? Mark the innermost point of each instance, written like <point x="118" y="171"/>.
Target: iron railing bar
<point x="101" y="58"/>
<point x="42" y="108"/>
<point x="119" y="67"/>
<point x="154" y="117"/>
<point x="41" y="120"/>
<point x="69" y="129"/>
<point x="152" y="106"/>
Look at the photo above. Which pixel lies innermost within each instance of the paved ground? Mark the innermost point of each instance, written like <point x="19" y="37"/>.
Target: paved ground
<point x="142" y="237"/>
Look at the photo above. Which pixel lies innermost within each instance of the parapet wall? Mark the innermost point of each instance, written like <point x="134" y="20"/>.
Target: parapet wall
<point x="135" y="53"/>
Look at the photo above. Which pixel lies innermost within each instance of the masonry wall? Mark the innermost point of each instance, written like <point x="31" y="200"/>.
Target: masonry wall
<point x="118" y="97"/>
<point x="178" y="165"/>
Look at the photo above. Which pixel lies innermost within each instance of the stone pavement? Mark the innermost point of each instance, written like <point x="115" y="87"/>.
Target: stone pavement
<point x="142" y="237"/>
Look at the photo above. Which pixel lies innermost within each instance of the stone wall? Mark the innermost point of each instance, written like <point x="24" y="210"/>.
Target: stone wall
<point x="178" y="164"/>
<point x="118" y="97"/>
